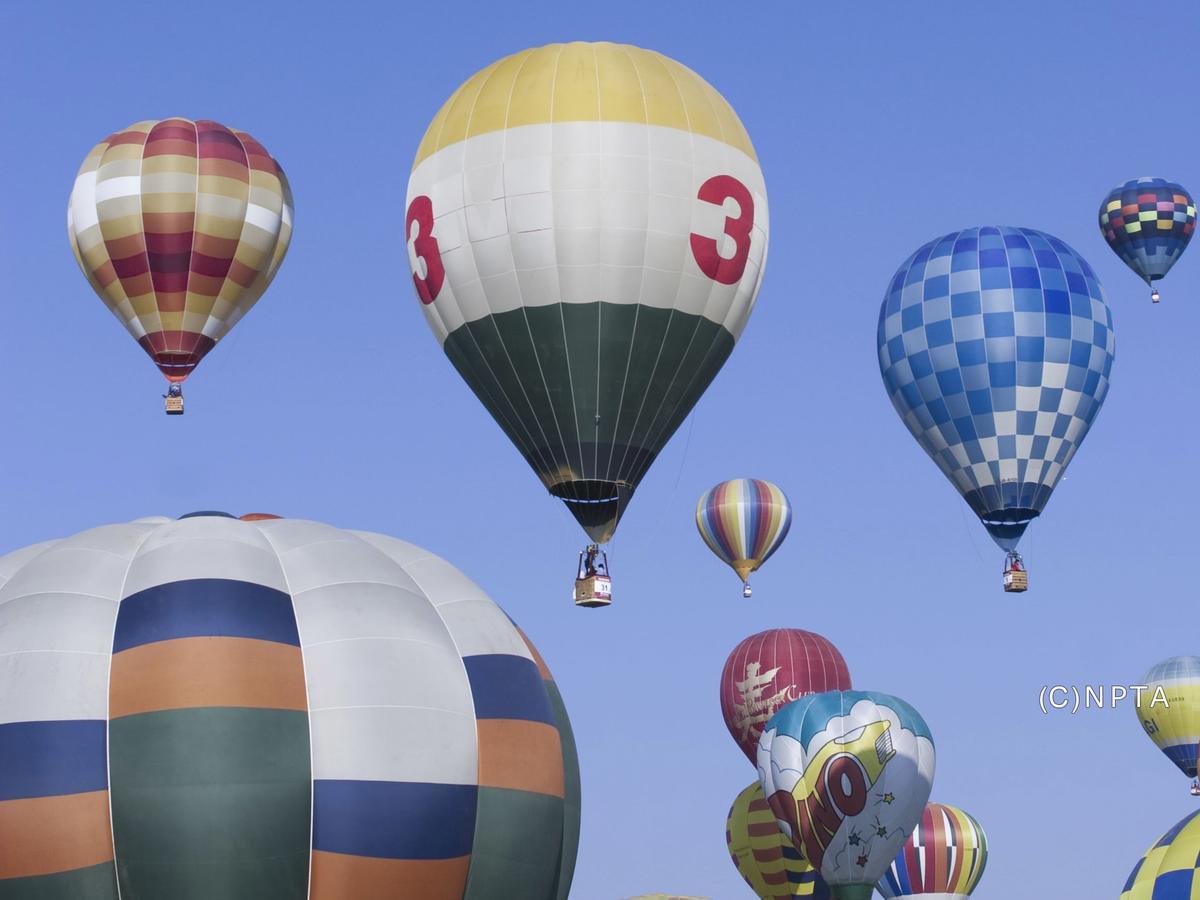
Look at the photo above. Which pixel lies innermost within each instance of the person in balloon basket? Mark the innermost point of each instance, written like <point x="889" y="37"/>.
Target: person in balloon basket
<point x="592" y="565"/>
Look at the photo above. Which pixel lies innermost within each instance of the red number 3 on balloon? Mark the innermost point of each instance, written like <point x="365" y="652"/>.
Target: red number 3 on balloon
<point x="425" y="246"/>
<point x="716" y="191"/>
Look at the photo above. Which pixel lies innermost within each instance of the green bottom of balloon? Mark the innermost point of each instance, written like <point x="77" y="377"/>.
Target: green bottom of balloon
<point x="93" y="883"/>
<point x="589" y="392"/>
<point x="853" y="891"/>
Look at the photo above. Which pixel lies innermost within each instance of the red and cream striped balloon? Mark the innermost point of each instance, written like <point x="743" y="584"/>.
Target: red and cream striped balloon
<point x="770" y="669"/>
<point x="179" y="227"/>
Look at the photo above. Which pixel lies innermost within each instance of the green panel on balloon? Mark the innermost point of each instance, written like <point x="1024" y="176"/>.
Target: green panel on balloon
<point x="93" y="883"/>
<point x="571" y="793"/>
<point x="590" y="392"/>
<point x="853" y="891"/>
<point x="518" y="839"/>
<point x="211" y="803"/>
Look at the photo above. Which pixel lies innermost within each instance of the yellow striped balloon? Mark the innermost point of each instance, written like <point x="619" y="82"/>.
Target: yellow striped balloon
<point x="772" y="867"/>
<point x="1170" y="710"/>
<point x="743" y="522"/>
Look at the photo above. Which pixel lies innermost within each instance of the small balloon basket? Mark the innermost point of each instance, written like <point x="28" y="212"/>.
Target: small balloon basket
<point x="174" y="404"/>
<point x="1016" y="578"/>
<point x="593" y="591"/>
<point x="593" y="587"/>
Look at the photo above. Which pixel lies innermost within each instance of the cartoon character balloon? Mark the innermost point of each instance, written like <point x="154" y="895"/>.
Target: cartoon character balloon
<point x="996" y="347"/>
<point x="764" y="857"/>
<point x="272" y="708"/>
<point x="847" y="774"/>
<point x="743" y="522"/>
<point x="1148" y="223"/>
<point x="179" y="227"/>
<point x="1170" y="870"/>
<point x="587" y="228"/>
<point x="943" y="859"/>
<point x="768" y="670"/>
<point x="1170" y="711"/>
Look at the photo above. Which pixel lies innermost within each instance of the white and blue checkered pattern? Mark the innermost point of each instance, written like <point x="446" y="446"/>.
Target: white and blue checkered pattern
<point x="995" y="345"/>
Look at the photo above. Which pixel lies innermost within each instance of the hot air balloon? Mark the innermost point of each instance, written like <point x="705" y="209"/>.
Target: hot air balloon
<point x="847" y="774"/>
<point x="768" y="670"/>
<point x="943" y="859"/>
<point x="1169" y="710"/>
<point x="274" y="708"/>
<point x="1170" y="870"/>
<point x="772" y="867"/>
<point x="1148" y="223"/>
<point x="743" y="522"/>
<point x="996" y="346"/>
<point x="587" y="228"/>
<point x="179" y="227"/>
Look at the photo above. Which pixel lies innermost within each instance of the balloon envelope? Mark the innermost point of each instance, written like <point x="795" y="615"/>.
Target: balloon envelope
<point x="272" y="708"/>
<point x="943" y="859"/>
<point x="743" y="522"/>
<point x="587" y="228"/>
<point x="768" y="670"/>
<point x="1170" y="870"/>
<point x="1173" y="725"/>
<point x="764" y="857"/>
<point x="995" y="346"/>
<point x="848" y="774"/>
<point x="179" y="227"/>
<point x="1148" y="223"/>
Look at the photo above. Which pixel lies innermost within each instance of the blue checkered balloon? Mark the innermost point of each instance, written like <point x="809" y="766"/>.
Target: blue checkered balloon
<point x="995" y="345"/>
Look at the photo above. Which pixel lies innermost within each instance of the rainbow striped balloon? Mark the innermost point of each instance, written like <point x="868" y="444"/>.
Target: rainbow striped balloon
<point x="772" y="867"/>
<point x="944" y="857"/>
<point x="743" y="522"/>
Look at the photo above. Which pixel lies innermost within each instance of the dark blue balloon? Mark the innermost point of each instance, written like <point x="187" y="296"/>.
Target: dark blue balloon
<point x="1148" y="223"/>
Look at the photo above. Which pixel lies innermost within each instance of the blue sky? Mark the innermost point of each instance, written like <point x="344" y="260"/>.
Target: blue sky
<point x="878" y="128"/>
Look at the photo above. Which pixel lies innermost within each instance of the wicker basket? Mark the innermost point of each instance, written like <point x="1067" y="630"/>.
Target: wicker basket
<point x="1016" y="581"/>
<point x="595" y="590"/>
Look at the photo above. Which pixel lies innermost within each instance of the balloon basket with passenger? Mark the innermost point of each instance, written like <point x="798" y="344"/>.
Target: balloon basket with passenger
<point x="1016" y="577"/>
<point x="593" y="586"/>
<point x="174" y="400"/>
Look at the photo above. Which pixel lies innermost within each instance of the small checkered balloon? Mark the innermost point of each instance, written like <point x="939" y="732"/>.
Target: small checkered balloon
<point x="995" y="346"/>
<point x="1148" y="223"/>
